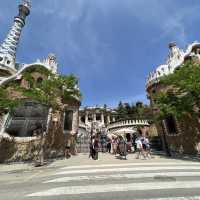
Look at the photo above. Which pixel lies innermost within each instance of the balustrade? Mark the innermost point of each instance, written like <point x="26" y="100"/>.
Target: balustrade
<point x="128" y="123"/>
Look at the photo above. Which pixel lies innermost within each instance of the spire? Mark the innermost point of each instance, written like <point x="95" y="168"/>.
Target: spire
<point x="175" y="57"/>
<point x="9" y="46"/>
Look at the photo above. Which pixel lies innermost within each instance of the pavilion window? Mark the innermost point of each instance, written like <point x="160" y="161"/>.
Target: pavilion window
<point x="83" y="119"/>
<point x="171" y="125"/>
<point x="68" y="120"/>
<point x="90" y="119"/>
<point x="105" y="119"/>
<point x="98" y="117"/>
<point x="39" y="80"/>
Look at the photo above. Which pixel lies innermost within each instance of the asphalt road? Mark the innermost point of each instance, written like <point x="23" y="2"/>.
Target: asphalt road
<point x="108" y="178"/>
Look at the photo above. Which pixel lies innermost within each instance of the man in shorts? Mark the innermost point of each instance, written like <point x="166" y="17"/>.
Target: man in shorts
<point x="139" y="146"/>
<point x="67" y="150"/>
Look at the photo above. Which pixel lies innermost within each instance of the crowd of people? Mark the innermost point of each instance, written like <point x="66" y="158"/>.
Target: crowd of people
<point x="118" y="145"/>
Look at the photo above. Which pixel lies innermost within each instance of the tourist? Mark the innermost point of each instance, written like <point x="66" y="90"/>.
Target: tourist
<point x="109" y="146"/>
<point x="139" y="146"/>
<point x="122" y="146"/>
<point x="129" y="146"/>
<point x="91" y="148"/>
<point x="148" y="147"/>
<point x="95" y="148"/>
<point x="68" y="148"/>
<point x="134" y="146"/>
<point x="114" y="145"/>
<point x="143" y="140"/>
<point x="40" y="132"/>
<point x="67" y="151"/>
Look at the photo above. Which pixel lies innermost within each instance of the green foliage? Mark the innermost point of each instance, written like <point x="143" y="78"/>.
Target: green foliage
<point x="133" y="111"/>
<point x="40" y="69"/>
<point x="50" y="91"/>
<point x="5" y="101"/>
<point x="183" y="94"/>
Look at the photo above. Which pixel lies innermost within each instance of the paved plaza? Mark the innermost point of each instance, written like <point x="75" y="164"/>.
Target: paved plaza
<point x="107" y="178"/>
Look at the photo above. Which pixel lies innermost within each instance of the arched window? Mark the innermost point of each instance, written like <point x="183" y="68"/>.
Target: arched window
<point x="83" y="119"/>
<point x="39" y="80"/>
<point x="68" y="119"/>
<point x="171" y="125"/>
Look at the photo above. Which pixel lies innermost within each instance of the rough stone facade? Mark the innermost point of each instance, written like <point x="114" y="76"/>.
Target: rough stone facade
<point x="27" y="148"/>
<point x="185" y="139"/>
<point x="21" y="145"/>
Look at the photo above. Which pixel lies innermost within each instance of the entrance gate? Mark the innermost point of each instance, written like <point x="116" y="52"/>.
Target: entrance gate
<point x="83" y="143"/>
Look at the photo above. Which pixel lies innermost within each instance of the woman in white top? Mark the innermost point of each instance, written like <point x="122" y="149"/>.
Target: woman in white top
<point x="140" y="149"/>
<point x="148" y="149"/>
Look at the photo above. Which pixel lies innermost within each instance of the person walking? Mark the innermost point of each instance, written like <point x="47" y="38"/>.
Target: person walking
<point x="109" y="145"/>
<point x="143" y="140"/>
<point x="148" y="147"/>
<point x="90" y="148"/>
<point x="40" y="132"/>
<point x="67" y="150"/>
<point x="122" y="146"/>
<point x="139" y="146"/>
<point x="114" y="145"/>
<point x="95" y="148"/>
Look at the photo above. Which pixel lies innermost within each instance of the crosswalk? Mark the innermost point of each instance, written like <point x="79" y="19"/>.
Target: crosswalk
<point x="175" y="180"/>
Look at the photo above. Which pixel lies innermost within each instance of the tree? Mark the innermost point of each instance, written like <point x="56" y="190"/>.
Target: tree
<point x="133" y="111"/>
<point x="182" y="96"/>
<point x="139" y="104"/>
<point x="121" y="111"/>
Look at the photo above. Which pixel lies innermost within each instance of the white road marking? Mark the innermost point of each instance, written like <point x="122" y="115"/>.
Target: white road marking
<point x="91" y="189"/>
<point x="150" y="168"/>
<point x="176" y="198"/>
<point x="127" y="176"/>
<point x="130" y="164"/>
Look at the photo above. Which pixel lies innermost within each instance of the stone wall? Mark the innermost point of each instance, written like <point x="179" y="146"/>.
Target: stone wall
<point x="187" y="139"/>
<point x="12" y="150"/>
<point x="1" y="120"/>
<point x="27" y="149"/>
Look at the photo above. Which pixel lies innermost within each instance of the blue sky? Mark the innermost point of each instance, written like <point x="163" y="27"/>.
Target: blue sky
<point x="111" y="45"/>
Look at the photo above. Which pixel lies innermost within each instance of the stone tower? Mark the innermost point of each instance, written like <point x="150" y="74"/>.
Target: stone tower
<point x="9" y="46"/>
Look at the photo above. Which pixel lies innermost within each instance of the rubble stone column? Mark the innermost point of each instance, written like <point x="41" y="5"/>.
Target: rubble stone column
<point x="75" y="124"/>
<point x="102" y="118"/>
<point x="108" y="119"/>
<point x="75" y="121"/>
<point x="1" y="122"/>
<point x="94" y="117"/>
<point x="86" y="117"/>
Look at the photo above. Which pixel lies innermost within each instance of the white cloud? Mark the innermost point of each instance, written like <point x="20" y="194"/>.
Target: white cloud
<point x="82" y="13"/>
